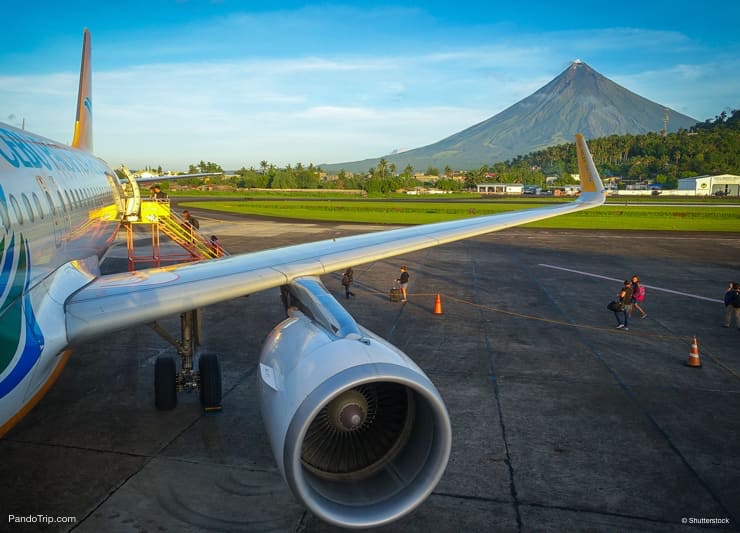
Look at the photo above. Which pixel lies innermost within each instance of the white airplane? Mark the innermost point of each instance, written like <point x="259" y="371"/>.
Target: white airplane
<point x="359" y="432"/>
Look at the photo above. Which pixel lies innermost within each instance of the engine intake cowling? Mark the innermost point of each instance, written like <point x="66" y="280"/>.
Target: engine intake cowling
<point x="357" y="429"/>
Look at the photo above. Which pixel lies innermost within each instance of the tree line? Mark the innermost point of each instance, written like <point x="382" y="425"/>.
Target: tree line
<point x="711" y="147"/>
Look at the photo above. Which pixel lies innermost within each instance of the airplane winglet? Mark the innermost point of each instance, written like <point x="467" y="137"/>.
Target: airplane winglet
<point x="83" y="122"/>
<point x="592" y="189"/>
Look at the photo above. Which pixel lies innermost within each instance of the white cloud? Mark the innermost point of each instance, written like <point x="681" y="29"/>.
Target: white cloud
<point x="311" y="105"/>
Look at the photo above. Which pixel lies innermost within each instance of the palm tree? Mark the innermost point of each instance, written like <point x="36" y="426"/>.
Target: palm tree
<point x="381" y="167"/>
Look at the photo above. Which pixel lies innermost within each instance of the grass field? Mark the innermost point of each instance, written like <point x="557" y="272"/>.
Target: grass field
<point x="621" y="217"/>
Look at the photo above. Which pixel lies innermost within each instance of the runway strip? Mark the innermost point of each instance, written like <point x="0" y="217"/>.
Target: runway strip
<point x="715" y="300"/>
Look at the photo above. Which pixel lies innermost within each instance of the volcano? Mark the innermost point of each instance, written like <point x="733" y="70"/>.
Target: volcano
<point x="579" y="100"/>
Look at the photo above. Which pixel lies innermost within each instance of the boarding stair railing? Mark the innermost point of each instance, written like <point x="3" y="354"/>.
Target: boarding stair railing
<point x="163" y="220"/>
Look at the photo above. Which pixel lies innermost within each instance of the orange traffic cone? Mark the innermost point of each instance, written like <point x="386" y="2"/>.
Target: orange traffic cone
<point x="694" y="360"/>
<point x="438" y="306"/>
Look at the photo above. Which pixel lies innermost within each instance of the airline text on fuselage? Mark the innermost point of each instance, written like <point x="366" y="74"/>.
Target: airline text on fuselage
<point x="21" y="150"/>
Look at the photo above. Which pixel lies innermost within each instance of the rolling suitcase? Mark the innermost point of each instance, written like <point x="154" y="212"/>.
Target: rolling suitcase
<point x="395" y="292"/>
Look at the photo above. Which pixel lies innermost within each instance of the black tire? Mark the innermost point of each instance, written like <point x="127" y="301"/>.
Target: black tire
<point x="210" y="382"/>
<point x="165" y="383"/>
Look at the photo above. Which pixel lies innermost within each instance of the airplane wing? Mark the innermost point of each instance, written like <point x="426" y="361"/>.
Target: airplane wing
<point x="118" y="301"/>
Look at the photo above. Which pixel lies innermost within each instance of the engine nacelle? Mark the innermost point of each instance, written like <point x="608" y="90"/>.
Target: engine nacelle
<point x="359" y="432"/>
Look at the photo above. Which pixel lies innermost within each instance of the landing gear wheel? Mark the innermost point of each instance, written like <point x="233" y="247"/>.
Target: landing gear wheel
<point x="210" y="382"/>
<point x="165" y="383"/>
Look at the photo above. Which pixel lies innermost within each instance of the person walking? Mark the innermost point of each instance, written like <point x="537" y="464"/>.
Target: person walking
<point x="215" y="246"/>
<point x="732" y="305"/>
<point x="403" y="280"/>
<point x="190" y="220"/>
<point x="638" y="296"/>
<point x="190" y="225"/>
<point x="625" y="299"/>
<point x="157" y="193"/>
<point x="347" y="278"/>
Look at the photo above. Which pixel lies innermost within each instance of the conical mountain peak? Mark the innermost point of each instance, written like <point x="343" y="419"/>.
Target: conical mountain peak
<point x="578" y="100"/>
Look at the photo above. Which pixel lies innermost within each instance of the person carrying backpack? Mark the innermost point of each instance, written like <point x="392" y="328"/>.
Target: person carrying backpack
<point x="732" y="305"/>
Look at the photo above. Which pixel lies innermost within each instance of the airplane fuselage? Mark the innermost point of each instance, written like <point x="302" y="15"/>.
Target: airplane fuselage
<point x="59" y="212"/>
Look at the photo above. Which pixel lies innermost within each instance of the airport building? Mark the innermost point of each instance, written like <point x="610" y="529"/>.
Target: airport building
<point x="721" y="185"/>
<point x="500" y="188"/>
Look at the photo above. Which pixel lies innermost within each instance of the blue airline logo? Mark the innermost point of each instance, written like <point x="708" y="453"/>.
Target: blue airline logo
<point x="21" y="150"/>
<point x="21" y="339"/>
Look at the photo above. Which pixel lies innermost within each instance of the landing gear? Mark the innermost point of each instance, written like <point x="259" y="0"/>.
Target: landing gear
<point x="168" y="382"/>
<point x="165" y="383"/>
<point x="210" y="382"/>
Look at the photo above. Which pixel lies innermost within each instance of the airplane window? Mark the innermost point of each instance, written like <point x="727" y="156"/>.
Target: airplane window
<point x="28" y="207"/>
<point x="49" y="201"/>
<point x="70" y="201"/>
<point x="39" y="208"/>
<point x="4" y="218"/>
<point x="61" y="201"/>
<point x="16" y="209"/>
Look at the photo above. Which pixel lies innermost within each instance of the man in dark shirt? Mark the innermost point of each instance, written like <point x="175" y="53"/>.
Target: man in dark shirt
<point x="625" y="298"/>
<point x="732" y="304"/>
<point x="158" y="194"/>
<point x="404" y="281"/>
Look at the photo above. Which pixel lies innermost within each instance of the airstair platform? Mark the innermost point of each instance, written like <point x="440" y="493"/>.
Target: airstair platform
<point x="157" y="219"/>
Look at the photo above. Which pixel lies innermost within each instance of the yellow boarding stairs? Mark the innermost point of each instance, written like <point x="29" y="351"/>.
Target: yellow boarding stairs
<point x="158" y="215"/>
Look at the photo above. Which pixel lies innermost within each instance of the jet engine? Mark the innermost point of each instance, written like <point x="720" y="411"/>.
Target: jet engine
<point x="359" y="432"/>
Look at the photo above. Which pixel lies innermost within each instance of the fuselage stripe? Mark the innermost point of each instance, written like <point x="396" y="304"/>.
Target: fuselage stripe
<point x="12" y="421"/>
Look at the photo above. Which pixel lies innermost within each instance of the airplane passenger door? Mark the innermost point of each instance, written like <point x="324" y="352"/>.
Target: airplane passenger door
<point x="131" y="195"/>
<point x="118" y="193"/>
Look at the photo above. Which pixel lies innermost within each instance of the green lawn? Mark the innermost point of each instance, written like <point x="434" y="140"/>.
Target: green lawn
<point x="679" y="218"/>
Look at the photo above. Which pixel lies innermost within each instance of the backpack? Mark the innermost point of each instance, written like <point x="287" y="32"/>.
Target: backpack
<point x="640" y="293"/>
<point x="735" y="301"/>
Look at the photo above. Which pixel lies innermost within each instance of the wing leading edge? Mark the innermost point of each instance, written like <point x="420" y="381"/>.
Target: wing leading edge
<point x="119" y="301"/>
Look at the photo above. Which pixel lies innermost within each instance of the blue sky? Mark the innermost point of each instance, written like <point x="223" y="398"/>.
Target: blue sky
<point x="238" y="82"/>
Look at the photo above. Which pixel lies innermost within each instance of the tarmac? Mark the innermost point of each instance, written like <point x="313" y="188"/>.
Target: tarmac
<point x="560" y="421"/>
